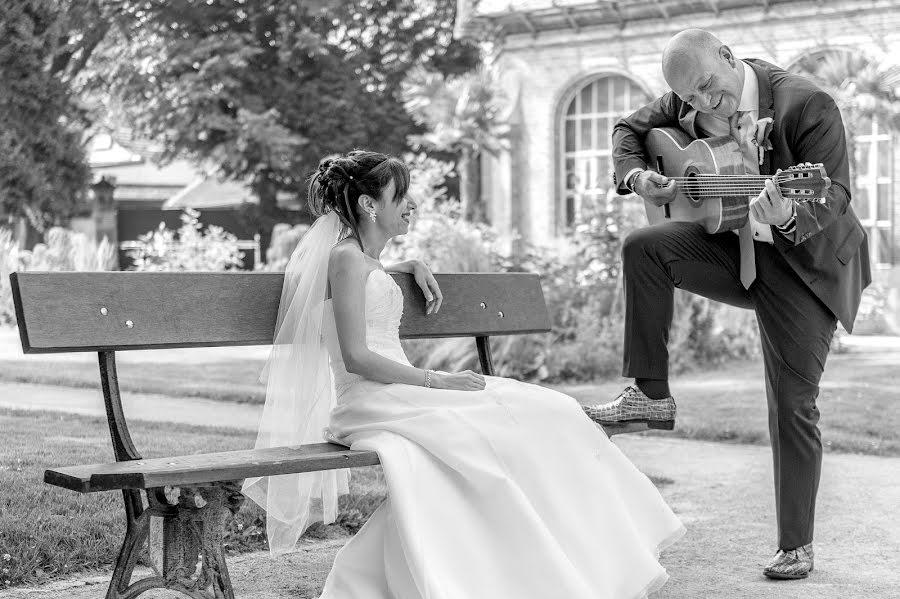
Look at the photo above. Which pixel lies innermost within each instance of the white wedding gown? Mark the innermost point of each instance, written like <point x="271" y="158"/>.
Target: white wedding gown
<point x="506" y="493"/>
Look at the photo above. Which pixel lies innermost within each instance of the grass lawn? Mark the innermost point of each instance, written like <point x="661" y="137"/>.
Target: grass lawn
<point x="858" y="401"/>
<point x="229" y="380"/>
<point x="47" y="532"/>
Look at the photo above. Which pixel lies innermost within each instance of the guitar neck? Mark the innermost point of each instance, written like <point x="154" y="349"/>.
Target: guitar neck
<point x="724" y="185"/>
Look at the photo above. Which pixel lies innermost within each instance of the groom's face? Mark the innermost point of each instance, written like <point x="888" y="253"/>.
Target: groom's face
<point x="710" y="81"/>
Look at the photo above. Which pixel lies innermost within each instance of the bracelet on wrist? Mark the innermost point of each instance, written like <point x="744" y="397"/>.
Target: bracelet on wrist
<point x="632" y="180"/>
<point x="428" y="374"/>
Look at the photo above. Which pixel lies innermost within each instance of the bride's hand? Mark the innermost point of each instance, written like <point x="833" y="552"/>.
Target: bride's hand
<point x="430" y="288"/>
<point x="461" y="381"/>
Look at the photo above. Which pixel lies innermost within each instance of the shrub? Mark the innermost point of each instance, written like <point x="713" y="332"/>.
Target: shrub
<point x="438" y="234"/>
<point x="875" y="311"/>
<point x="285" y="238"/>
<point x="62" y="250"/>
<point x="583" y="286"/>
<point x="191" y="248"/>
<point x="582" y="281"/>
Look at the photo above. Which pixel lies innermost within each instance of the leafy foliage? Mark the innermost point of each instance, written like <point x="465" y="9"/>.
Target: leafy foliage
<point x="463" y="115"/>
<point x="438" y="232"/>
<point x="583" y="287"/>
<point x="43" y="171"/>
<point x="262" y="90"/>
<point x="63" y="250"/>
<point x="190" y="248"/>
<point x="863" y="90"/>
<point x="284" y="239"/>
<point x="877" y="311"/>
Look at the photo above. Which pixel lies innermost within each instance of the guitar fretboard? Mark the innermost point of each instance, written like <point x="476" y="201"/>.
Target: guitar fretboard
<point x="727" y="185"/>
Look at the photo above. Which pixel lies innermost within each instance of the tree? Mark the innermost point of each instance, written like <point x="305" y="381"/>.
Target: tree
<point x="47" y="45"/>
<point x="461" y="115"/>
<point x="43" y="171"/>
<point x="863" y="89"/>
<point x="262" y="90"/>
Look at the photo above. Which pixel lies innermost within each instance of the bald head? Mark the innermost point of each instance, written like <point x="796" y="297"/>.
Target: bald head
<point x="686" y="47"/>
<point x="703" y="72"/>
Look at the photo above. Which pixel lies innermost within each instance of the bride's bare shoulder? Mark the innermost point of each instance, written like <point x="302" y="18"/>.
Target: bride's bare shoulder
<point x="346" y="258"/>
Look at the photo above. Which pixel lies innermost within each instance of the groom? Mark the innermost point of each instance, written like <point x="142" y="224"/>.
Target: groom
<point x="800" y="267"/>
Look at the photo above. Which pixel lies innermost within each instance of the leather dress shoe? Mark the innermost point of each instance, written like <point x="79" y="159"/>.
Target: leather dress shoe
<point x="633" y="406"/>
<point x="790" y="564"/>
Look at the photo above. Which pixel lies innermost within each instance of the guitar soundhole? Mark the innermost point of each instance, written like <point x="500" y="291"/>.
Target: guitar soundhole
<point x="692" y="188"/>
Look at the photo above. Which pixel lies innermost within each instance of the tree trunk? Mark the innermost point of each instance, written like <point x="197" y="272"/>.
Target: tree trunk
<point x="268" y="213"/>
<point x="469" y="171"/>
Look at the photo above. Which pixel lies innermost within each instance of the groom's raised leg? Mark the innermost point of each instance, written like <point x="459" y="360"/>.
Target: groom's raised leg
<point x="656" y="260"/>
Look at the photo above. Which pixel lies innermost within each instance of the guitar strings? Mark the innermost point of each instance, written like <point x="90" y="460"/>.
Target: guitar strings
<point x="705" y="178"/>
<point x="712" y="185"/>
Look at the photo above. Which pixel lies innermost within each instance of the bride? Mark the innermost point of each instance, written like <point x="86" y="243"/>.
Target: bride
<point x="496" y="488"/>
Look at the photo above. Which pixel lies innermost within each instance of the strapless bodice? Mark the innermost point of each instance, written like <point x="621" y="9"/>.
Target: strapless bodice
<point x="384" y="309"/>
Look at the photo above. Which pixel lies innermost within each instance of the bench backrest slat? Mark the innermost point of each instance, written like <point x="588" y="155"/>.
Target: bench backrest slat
<point x="64" y="312"/>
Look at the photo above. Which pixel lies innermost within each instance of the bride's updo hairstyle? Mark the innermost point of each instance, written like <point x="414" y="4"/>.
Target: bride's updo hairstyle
<point x="338" y="182"/>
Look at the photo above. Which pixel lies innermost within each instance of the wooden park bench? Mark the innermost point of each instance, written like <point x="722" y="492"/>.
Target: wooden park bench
<point x="195" y="494"/>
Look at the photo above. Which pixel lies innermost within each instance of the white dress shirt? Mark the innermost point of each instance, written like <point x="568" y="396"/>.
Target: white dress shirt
<point x="715" y="126"/>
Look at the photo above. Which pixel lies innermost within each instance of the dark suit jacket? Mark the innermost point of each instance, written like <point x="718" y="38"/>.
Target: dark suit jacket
<point x="829" y="252"/>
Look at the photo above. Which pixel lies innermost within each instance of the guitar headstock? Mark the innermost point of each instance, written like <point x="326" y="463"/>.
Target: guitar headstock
<point x="805" y="182"/>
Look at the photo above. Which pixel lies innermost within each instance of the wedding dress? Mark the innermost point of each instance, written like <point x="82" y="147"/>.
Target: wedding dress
<point x="506" y="493"/>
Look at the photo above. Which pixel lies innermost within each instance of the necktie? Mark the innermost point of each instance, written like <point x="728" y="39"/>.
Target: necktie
<point x="740" y="125"/>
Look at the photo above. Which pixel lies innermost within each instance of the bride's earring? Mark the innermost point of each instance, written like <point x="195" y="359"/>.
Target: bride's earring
<point x="373" y="216"/>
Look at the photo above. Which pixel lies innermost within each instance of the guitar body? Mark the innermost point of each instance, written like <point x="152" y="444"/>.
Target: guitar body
<point x="673" y="153"/>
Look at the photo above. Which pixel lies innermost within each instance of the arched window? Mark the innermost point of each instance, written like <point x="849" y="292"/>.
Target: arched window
<point x="871" y="142"/>
<point x="590" y="111"/>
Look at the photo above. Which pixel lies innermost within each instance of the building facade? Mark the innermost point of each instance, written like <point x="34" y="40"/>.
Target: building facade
<point x="145" y="193"/>
<point x="571" y="68"/>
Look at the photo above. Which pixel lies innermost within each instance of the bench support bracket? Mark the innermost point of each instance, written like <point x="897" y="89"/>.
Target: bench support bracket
<point x="484" y="355"/>
<point x="193" y="557"/>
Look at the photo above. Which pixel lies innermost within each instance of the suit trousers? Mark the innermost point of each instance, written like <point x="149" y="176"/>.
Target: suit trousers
<point x="795" y="328"/>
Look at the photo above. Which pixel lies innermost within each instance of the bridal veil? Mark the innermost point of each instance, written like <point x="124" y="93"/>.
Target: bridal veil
<point x="299" y="395"/>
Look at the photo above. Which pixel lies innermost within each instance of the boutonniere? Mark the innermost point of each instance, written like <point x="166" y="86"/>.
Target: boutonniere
<point x="761" y="136"/>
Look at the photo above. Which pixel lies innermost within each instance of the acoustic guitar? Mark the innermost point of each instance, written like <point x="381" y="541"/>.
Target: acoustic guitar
<point x="712" y="187"/>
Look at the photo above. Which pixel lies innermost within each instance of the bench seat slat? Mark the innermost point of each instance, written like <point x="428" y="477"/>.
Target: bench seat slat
<point x="207" y="468"/>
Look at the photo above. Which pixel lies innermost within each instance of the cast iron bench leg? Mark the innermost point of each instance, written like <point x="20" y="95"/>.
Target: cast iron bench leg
<point x="193" y="552"/>
<point x="138" y="528"/>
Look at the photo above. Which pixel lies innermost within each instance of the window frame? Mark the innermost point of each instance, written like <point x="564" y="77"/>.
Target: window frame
<point x="870" y="181"/>
<point x="635" y="95"/>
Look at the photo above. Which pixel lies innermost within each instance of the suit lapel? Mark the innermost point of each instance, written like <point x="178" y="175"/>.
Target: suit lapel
<point x="766" y="108"/>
